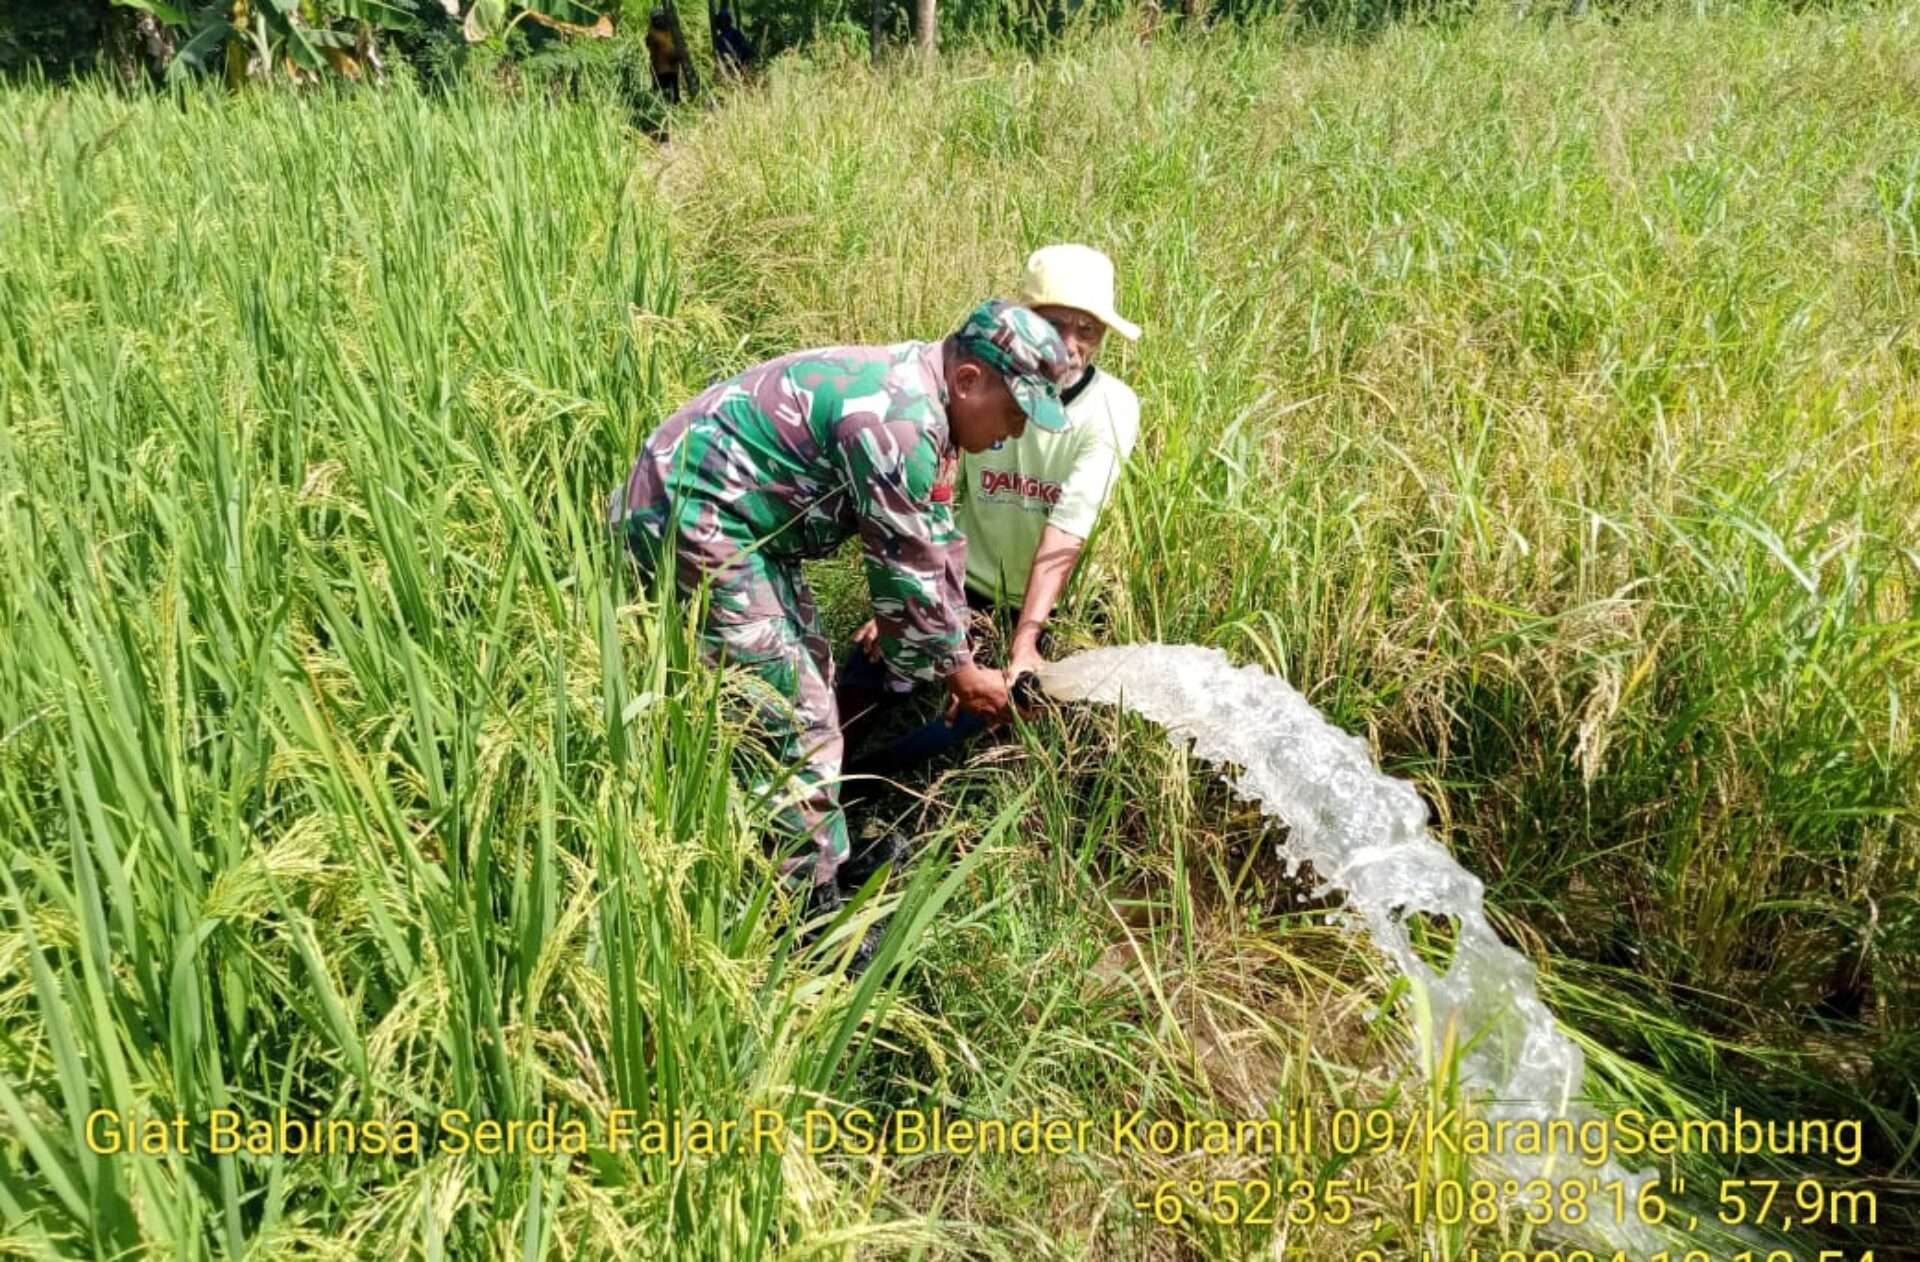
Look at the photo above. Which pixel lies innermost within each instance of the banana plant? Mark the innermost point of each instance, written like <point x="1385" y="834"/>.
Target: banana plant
<point x="255" y="39"/>
<point x="486" y="19"/>
<point x="305" y="39"/>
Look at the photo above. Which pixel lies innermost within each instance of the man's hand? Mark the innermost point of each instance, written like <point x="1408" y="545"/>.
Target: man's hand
<point x="868" y="638"/>
<point x="1025" y="660"/>
<point x="979" y="690"/>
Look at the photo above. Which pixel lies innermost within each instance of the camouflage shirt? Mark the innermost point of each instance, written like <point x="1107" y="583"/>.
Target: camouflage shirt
<point x="792" y="456"/>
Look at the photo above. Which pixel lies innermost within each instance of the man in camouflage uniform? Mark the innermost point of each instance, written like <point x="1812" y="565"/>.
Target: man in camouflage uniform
<point x="785" y="461"/>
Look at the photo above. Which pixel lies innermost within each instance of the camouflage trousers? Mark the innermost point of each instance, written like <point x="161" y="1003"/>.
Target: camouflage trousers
<point x="761" y="617"/>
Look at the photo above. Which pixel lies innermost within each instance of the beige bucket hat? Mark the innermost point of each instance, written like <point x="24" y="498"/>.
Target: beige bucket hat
<point x="1076" y="276"/>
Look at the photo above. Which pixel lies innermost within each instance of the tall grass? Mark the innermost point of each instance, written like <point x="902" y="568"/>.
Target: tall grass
<point x="1543" y="416"/>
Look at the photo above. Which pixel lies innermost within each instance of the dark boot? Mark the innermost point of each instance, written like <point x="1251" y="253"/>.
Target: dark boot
<point x="890" y="851"/>
<point x="821" y="906"/>
<point x="820" y="903"/>
<point x="864" y="953"/>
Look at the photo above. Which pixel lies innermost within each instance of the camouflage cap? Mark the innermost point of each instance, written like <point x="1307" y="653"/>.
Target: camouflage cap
<point x="1026" y="352"/>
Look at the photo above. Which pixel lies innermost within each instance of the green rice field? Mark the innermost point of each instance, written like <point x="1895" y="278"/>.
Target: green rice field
<point x="1542" y="399"/>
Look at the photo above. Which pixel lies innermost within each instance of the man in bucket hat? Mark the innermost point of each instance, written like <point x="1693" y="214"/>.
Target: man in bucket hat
<point x="1027" y="504"/>
<point x="787" y="460"/>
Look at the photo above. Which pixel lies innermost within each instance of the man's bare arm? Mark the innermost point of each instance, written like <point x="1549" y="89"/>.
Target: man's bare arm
<point x="1053" y="563"/>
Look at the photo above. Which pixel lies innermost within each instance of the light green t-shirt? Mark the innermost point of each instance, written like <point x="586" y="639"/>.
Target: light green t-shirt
<point x="1011" y="493"/>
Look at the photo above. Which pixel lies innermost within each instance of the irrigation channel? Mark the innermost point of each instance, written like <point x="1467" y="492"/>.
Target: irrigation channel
<point x="1365" y="835"/>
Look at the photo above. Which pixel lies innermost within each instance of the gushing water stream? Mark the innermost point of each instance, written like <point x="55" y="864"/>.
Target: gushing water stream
<point x="1366" y="836"/>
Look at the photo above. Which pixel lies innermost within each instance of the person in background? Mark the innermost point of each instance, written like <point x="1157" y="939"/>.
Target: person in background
<point x="667" y="56"/>
<point x="786" y="461"/>
<point x="732" y="51"/>
<point x="1027" y="505"/>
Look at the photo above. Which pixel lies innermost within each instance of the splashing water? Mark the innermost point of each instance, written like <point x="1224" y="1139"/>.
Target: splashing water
<point x="1365" y="834"/>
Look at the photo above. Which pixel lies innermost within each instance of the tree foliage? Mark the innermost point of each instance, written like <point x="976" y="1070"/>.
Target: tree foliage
<point x="269" y="39"/>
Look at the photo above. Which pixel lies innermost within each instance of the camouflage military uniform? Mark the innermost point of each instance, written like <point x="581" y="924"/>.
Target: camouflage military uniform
<point x="793" y="456"/>
<point x="785" y="461"/>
